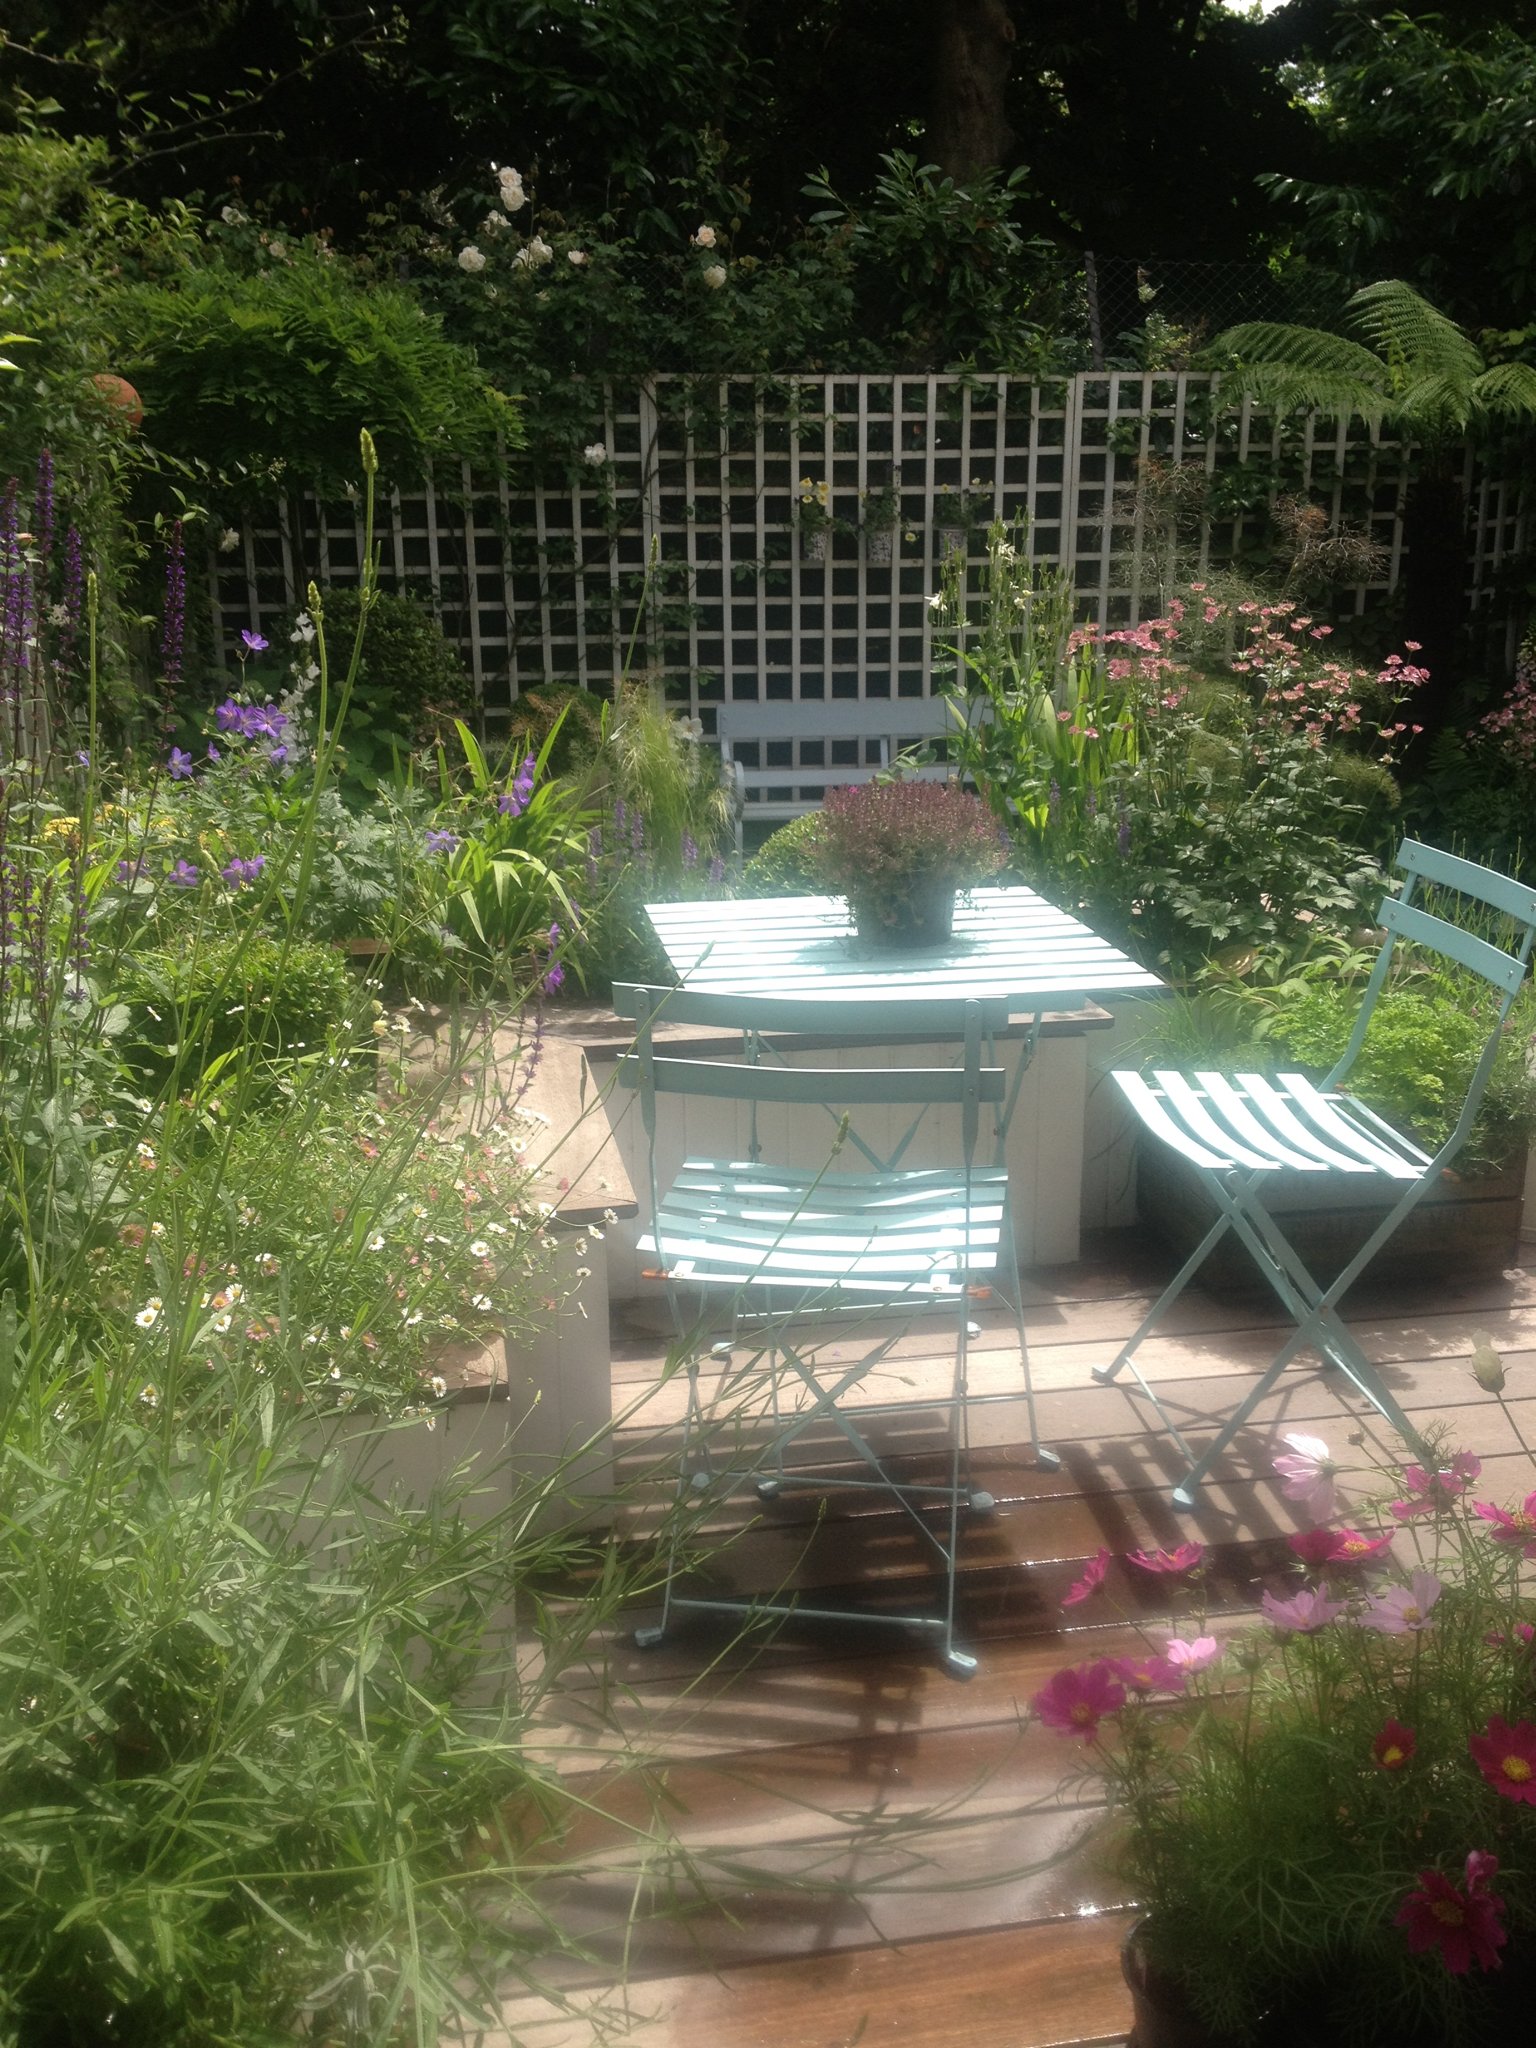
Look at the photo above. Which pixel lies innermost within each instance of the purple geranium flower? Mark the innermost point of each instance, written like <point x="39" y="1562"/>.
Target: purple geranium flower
<point x="442" y="841"/>
<point x="241" y="872"/>
<point x="184" y="875"/>
<point x="181" y="764"/>
<point x="253" y="643"/>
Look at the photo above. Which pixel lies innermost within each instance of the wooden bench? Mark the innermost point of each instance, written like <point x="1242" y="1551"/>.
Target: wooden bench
<point x="781" y="757"/>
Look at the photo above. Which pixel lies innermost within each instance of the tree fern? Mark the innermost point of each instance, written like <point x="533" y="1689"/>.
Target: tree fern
<point x="1413" y="365"/>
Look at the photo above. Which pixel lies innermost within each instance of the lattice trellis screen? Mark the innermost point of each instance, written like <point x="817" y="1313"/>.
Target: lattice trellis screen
<point x="717" y="485"/>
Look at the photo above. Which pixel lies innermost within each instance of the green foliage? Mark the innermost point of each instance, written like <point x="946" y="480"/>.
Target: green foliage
<point x="263" y="378"/>
<point x="409" y="687"/>
<point x="888" y="846"/>
<point x="1453" y="99"/>
<point x="1414" y="366"/>
<point x="579" y="715"/>
<point x="788" y="861"/>
<point x="197" y="1006"/>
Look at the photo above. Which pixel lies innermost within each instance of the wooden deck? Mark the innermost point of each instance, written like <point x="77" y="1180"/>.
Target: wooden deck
<point x="867" y="1849"/>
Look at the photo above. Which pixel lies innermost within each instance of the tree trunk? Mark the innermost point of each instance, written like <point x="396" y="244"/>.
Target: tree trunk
<point x="973" y="55"/>
<point x="1434" y="579"/>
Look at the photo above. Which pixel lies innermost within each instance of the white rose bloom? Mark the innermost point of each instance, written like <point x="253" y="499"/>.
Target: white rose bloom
<point x="229" y="540"/>
<point x="232" y="217"/>
<point x="596" y="453"/>
<point x="704" y="239"/>
<point x="714" y="276"/>
<point x="494" y="224"/>
<point x="576" y="257"/>
<point x="539" y="251"/>
<point x="471" y="258"/>
<point x="513" y="197"/>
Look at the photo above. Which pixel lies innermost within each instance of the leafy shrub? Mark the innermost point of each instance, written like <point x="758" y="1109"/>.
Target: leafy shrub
<point x="410" y="683"/>
<point x="577" y="714"/>
<point x="264" y="378"/>
<point x="788" y="861"/>
<point x="231" y="992"/>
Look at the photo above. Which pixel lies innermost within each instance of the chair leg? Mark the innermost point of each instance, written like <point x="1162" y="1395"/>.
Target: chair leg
<point x="1040" y="1452"/>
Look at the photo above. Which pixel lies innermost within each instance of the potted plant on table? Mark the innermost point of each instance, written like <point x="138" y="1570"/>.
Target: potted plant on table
<point x="899" y="851"/>
<point x="1329" y="1818"/>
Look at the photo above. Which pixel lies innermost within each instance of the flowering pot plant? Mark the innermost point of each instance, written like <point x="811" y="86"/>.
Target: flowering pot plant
<point x="1329" y="1817"/>
<point x="899" y="850"/>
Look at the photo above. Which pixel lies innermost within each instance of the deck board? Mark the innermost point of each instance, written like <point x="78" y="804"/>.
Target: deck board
<point x="782" y="1763"/>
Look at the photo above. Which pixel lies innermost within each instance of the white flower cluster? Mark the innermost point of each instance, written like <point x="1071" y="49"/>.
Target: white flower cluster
<point x="513" y="197"/>
<point x="534" y="257"/>
<point x="596" y="453"/>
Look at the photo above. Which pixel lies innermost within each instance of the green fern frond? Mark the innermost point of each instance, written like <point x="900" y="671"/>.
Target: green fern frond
<point x="1506" y="389"/>
<point x="1304" y="349"/>
<point x="1438" y="403"/>
<point x="1285" y="388"/>
<point x="1399" y="324"/>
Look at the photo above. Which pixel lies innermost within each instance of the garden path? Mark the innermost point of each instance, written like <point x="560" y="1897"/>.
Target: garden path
<point x="878" y="1852"/>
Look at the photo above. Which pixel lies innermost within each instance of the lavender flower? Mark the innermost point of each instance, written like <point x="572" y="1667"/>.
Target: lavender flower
<point x="42" y="506"/>
<point x="690" y="851"/>
<point x="74" y="588"/>
<point x="173" y="635"/>
<point x="554" y="979"/>
<point x="716" y="872"/>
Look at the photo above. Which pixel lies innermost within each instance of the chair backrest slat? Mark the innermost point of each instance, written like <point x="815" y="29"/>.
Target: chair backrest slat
<point x="1423" y="928"/>
<point x="914" y="1020"/>
<point x="1450" y="871"/>
<point x="739" y="1081"/>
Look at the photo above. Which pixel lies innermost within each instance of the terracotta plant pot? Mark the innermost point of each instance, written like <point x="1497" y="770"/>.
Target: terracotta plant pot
<point x="927" y="918"/>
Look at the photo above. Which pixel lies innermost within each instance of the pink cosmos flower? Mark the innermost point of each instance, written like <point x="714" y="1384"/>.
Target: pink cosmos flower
<point x="1309" y="1476"/>
<point x="1149" y="1674"/>
<point x="1431" y="1493"/>
<point x="1466" y="1926"/>
<point x="1304" y="1613"/>
<point x="1194" y="1655"/>
<point x="1186" y="1558"/>
<point x="1337" y="1546"/>
<point x="1404" y="1610"/>
<point x="1090" y="1582"/>
<point x="1511" y="1525"/>
<point x="1076" y="1700"/>
<point x="1507" y="1758"/>
<point x="1394" y="1746"/>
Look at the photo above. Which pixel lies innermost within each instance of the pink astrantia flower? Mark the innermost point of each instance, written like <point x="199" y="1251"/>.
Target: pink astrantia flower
<point x="1186" y="1558"/>
<point x="1194" y="1655"/>
<point x="1514" y="1526"/>
<point x="1404" y="1610"/>
<point x="1394" y="1746"/>
<point x="1466" y="1926"/>
<point x="1304" y="1613"/>
<point x="1507" y="1758"/>
<point x="1431" y="1493"/>
<point x="1309" y="1476"/>
<point x="1149" y="1674"/>
<point x="1090" y="1582"/>
<point x="1337" y="1546"/>
<point x="1076" y="1700"/>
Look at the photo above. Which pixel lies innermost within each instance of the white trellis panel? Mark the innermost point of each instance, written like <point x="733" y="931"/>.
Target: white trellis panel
<point x="689" y="545"/>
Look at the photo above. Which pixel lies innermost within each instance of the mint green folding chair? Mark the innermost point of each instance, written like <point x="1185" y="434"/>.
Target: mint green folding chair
<point x="819" y="1260"/>
<point x="1235" y="1130"/>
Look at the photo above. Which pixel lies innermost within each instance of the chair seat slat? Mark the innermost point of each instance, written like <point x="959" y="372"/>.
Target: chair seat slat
<point x="1195" y="1114"/>
<point x="1239" y="1113"/>
<point x="1148" y="1105"/>
<point x="1398" y="1160"/>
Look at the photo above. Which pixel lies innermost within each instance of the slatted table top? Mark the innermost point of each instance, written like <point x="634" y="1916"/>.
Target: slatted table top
<point x="1007" y="943"/>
